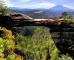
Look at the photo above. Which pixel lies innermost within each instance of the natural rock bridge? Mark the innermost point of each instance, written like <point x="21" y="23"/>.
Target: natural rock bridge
<point x="59" y="29"/>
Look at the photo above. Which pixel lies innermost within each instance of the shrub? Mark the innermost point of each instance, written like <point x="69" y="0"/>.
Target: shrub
<point x="7" y="44"/>
<point x="64" y="57"/>
<point x="7" y="34"/>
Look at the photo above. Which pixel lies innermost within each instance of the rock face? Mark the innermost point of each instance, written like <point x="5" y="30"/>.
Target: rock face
<point x="15" y="16"/>
<point x="5" y="21"/>
<point x="19" y="16"/>
<point x="63" y="37"/>
<point x="13" y="19"/>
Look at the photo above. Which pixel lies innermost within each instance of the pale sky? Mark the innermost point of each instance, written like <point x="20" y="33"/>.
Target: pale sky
<point x="39" y="3"/>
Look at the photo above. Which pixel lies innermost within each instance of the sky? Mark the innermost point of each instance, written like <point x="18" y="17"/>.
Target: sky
<point x="33" y="4"/>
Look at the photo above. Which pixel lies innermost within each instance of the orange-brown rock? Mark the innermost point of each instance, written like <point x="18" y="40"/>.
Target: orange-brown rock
<point x="18" y="57"/>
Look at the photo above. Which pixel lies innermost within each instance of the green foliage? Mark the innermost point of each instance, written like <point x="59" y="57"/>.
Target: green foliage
<point x="6" y="34"/>
<point x="3" y="59"/>
<point x="7" y="45"/>
<point x="11" y="57"/>
<point x="38" y="44"/>
<point x="67" y="16"/>
<point x="2" y="45"/>
<point x="10" y="45"/>
<point x="64" y="57"/>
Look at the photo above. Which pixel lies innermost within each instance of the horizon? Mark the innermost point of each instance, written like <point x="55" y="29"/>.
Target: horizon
<point x="39" y="4"/>
<point x="57" y="6"/>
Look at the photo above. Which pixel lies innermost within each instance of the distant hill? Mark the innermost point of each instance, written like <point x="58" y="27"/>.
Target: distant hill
<point x="60" y="8"/>
<point x="57" y="10"/>
<point x="44" y="13"/>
